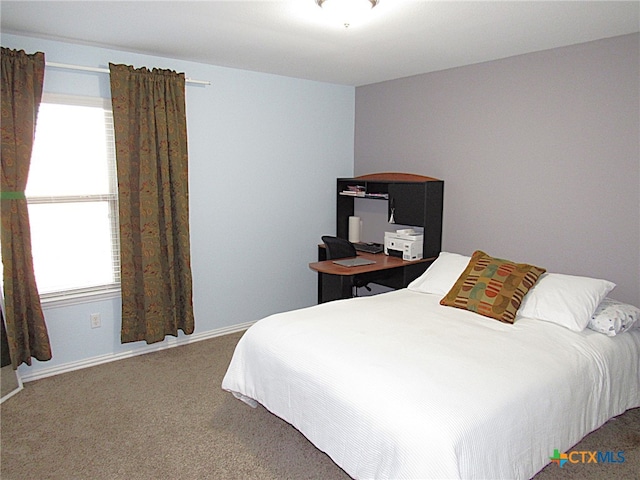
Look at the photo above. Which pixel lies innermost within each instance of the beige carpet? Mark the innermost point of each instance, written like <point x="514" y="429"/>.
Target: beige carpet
<point x="164" y="416"/>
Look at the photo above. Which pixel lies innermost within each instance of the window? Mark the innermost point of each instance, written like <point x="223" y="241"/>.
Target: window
<point x="72" y="198"/>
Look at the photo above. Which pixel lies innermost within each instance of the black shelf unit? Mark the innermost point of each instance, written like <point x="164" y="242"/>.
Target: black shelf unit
<point x="415" y="200"/>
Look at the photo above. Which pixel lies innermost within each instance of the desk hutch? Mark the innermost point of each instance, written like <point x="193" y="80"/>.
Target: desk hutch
<point x="414" y="200"/>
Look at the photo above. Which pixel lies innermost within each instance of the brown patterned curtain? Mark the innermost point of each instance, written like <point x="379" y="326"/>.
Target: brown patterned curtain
<point x="21" y="88"/>
<point x="150" y="124"/>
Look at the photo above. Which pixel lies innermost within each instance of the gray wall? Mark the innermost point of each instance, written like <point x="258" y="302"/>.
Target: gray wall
<point x="264" y="154"/>
<point x="539" y="153"/>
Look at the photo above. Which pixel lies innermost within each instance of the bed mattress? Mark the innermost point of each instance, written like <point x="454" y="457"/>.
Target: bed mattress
<point x="398" y="386"/>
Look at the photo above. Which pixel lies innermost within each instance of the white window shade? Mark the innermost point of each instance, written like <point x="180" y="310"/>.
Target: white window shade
<point x="72" y="197"/>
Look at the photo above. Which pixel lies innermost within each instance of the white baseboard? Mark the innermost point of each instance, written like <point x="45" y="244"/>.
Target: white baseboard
<point x="170" y="342"/>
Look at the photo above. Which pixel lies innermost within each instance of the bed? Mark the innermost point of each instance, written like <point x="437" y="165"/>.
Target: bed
<point x="398" y="385"/>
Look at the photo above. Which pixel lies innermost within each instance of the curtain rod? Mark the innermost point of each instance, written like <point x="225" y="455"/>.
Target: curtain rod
<point x="106" y="70"/>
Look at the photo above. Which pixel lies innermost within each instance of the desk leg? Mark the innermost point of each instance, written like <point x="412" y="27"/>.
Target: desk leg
<point x="334" y="287"/>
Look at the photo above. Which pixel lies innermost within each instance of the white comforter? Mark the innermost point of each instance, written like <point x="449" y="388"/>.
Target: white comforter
<point x="397" y="386"/>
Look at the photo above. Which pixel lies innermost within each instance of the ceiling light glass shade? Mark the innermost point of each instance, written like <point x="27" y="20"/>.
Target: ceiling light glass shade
<point x="347" y="12"/>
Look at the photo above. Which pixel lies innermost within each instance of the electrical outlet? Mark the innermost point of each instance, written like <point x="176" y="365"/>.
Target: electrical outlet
<point x="95" y="320"/>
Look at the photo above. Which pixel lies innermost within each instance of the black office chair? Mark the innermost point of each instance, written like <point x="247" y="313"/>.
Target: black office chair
<point x="341" y="248"/>
<point x="338" y="248"/>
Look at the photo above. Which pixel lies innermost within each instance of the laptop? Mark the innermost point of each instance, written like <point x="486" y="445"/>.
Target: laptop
<point x="353" y="262"/>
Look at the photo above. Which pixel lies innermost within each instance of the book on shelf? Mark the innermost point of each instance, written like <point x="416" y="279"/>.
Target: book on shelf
<point x="378" y="195"/>
<point x="354" y="190"/>
<point x="352" y="193"/>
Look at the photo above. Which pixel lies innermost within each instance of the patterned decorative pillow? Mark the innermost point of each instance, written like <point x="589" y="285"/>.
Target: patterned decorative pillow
<point x="492" y="287"/>
<point x="613" y="317"/>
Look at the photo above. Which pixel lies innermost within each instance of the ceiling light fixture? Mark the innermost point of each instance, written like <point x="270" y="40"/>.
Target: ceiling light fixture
<point x="347" y="11"/>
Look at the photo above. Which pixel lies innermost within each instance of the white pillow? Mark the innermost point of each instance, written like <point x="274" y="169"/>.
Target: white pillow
<point x="613" y="317"/>
<point x="566" y="300"/>
<point x="441" y="274"/>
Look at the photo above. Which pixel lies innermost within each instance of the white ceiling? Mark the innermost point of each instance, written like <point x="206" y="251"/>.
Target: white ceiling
<point x="293" y="38"/>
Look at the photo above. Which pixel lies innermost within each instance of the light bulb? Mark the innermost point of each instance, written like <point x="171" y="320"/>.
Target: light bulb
<point x="347" y="12"/>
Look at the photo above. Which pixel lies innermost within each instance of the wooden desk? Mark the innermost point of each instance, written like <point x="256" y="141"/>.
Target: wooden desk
<point x="336" y="282"/>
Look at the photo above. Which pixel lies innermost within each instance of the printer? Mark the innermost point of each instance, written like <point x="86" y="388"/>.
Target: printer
<point x="404" y="243"/>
